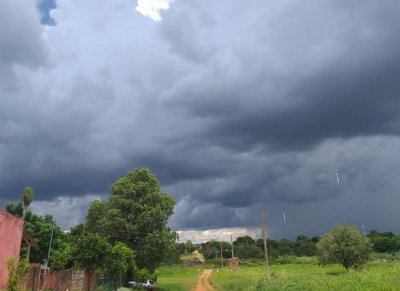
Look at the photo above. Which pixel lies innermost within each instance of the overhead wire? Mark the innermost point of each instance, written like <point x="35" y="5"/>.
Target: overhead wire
<point x="369" y="150"/>
<point x="387" y="182"/>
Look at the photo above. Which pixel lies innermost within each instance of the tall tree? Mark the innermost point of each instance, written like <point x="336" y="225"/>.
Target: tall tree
<point x="136" y="213"/>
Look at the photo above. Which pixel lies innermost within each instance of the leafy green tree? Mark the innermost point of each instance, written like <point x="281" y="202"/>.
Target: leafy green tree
<point x="248" y="251"/>
<point x="304" y="246"/>
<point x="286" y="247"/>
<point x="246" y="248"/>
<point x="40" y="228"/>
<point x="212" y="249"/>
<point x="174" y="253"/>
<point x="75" y="233"/>
<point x="120" y="259"/>
<point x="60" y="258"/>
<point x="344" y="245"/>
<point x="21" y="206"/>
<point x="244" y="240"/>
<point x="189" y="247"/>
<point x="16" y="209"/>
<point x="180" y="248"/>
<point x="136" y="213"/>
<point x="384" y="242"/>
<point x="91" y="253"/>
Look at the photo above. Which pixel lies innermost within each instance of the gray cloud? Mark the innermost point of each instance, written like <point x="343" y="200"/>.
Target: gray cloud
<point x="234" y="106"/>
<point x="21" y="41"/>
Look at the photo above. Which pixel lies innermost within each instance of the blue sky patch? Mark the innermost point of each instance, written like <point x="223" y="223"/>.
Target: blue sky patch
<point x="44" y="7"/>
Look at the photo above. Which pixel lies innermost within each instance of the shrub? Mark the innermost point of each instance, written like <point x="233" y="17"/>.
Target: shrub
<point x="281" y="260"/>
<point x="16" y="272"/>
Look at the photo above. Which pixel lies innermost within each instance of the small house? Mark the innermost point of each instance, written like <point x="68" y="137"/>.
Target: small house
<point x="234" y="262"/>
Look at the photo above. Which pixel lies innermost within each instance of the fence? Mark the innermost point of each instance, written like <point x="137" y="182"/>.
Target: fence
<point x="72" y="280"/>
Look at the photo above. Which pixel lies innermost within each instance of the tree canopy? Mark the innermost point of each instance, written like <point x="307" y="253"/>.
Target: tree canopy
<point x="344" y="245"/>
<point x="136" y="213"/>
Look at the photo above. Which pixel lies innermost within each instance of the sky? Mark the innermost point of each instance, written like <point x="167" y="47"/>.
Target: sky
<point x="290" y="106"/>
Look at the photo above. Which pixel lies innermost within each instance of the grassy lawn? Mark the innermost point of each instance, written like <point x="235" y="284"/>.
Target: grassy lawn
<point x="376" y="276"/>
<point x="301" y="276"/>
<point x="179" y="278"/>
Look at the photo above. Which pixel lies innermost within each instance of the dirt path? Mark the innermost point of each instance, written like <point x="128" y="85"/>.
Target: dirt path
<point x="203" y="283"/>
<point x="198" y="255"/>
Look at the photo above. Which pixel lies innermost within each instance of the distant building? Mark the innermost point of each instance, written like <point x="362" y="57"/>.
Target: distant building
<point x="234" y="262"/>
<point x="11" y="233"/>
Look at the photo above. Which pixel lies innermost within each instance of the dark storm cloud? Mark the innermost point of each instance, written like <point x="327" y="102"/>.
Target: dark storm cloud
<point x="20" y="35"/>
<point x="350" y="92"/>
<point x="233" y="105"/>
<point x="21" y="42"/>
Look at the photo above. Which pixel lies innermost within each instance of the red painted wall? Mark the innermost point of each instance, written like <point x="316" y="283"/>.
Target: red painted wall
<point x="11" y="229"/>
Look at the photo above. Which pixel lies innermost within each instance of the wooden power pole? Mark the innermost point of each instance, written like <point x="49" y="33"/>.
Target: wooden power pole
<point x="232" y="246"/>
<point x="222" y="259"/>
<point x="264" y="234"/>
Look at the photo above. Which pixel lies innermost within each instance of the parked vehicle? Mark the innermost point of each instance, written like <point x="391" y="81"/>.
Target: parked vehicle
<point x="148" y="284"/>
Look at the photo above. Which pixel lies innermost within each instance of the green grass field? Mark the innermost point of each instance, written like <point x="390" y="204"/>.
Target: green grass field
<point x="180" y="277"/>
<point x="376" y="276"/>
<point x="177" y="278"/>
<point x="308" y="276"/>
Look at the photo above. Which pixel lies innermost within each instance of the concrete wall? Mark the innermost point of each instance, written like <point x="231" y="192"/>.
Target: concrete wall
<point x="11" y="229"/>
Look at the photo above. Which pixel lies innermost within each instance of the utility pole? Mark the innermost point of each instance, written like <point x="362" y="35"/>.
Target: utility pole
<point x="264" y="234"/>
<point x="48" y="254"/>
<point x="232" y="246"/>
<point x="222" y="260"/>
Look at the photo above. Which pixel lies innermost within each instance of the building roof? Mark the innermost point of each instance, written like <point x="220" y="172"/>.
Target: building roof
<point x="27" y="240"/>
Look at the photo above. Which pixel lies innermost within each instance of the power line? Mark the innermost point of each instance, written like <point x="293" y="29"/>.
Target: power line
<point x="371" y="149"/>
<point x="387" y="182"/>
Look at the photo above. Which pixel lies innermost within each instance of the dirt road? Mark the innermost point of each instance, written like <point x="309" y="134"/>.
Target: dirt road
<point x="198" y="255"/>
<point x="203" y="284"/>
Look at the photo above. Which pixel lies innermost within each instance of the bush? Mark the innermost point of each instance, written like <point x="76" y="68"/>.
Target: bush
<point x="282" y="260"/>
<point x="16" y="272"/>
<point x="384" y="256"/>
<point x="252" y="263"/>
<point x="144" y="274"/>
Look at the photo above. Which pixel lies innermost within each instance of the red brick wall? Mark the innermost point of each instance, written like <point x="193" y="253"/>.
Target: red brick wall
<point x="11" y="229"/>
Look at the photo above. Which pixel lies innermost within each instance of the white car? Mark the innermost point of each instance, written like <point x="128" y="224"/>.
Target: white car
<point x="148" y="284"/>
